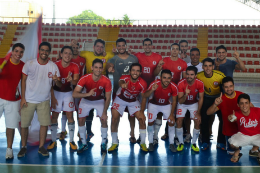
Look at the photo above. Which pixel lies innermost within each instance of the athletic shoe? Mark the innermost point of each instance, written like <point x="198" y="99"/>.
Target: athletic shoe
<point x="22" y="152"/>
<point x="176" y="141"/>
<point x="73" y="146"/>
<point x="151" y="147"/>
<point x="89" y="136"/>
<point x="204" y="146"/>
<point x="221" y="146"/>
<point x="172" y="148"/>
<point x="195" y="148"/>
<point x="113" y="147"/>
<point x="143" y="147"/>
<point x="52" y="145"/>
<point x="103" y="147"/>
<point x="43" y="151"/>
<point x="180" y="147"/>
<point x="9" y="154"/>
<point x="230" y="152"/>
<point x="253" y="154"/>
<point x="82" y="148"/>
<point x="187" y="138"/>
<point x="63" y="135"/>
<point x="155" y="142"/>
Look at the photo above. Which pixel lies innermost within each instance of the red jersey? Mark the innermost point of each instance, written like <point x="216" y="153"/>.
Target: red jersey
<point x="73" y="68"/>
<point x="103" y="84"/>
<point x="226" y="107"/>
<point x="162" y="95"/>
<point x="249" y="125"/>
<point x="81" y="62"/>
<point x="133" y="90"/>
<point x="9" y="79"/>
<point x="176" y="67"/>
<point x="196" y="88"/>
<point x="149" y="64"/>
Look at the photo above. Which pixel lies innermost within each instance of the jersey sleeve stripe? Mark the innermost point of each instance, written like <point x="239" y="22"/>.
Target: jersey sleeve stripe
<point x="24" y="74"/>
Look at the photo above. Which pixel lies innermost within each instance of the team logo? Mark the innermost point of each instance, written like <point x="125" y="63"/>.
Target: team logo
<point x="154" y="62"/>
<point x="81" y="63"/>
<point x="130" y="62"/>
<point x="133" y="87"/>
<point x="100" y="87"/>
<point x="50" y="75"/>
<point x="71" y="104"/>
<point x="179" y="67"/>
<point x="216" y="83"/>
<point x="80" y="110"/>
<point x="104" y="60"/>
<point x="120" y="63"/>
<point x="169" y="94"/>
<point x="126" y="69"/>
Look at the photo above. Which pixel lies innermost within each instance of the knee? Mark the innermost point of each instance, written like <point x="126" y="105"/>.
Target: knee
<point x="179" y="122"/>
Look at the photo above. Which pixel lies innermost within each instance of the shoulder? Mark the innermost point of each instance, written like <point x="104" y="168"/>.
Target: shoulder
<point x="105" y="78"/>
<point x="181" y="82"/>
<point x="219" y="73"/>
<point x="73" y="64"/>
<point x="200" y="74"/>
<point x="173" y="85"/>
<point x="199" y="81"/>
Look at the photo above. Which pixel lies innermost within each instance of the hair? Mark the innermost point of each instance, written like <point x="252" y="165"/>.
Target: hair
<point x="192" y="68"/>
<point x="18" y="45"/>
<point x="66" y="47"/>
<point x="243" y="96"/>
<point x="45" y="44"/>
<point x="99" y="41"/>
<point x="148" y="39"/>
<point x="208" y="60"/>
<point x="175" y="44"/>
<point x="120" y="40"/>
<point x="227" y="79"/>
<point x="135" y="64"/>
<point x="221" y="47"/>
<point x="183" y="41"/>
<point x="166" y="71"/>
<point x="195" y="49"/>
<point x="97" y="61"/>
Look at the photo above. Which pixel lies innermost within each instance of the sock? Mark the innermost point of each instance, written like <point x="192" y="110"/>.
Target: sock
<point x="254" y="151"/>
<point x="114" y="138"/>
<point x="82" y="132"/>
<point x="157" y="126"/>
<point x="150" y="130"/>
<point x="71" y="131"/>
<point x="171" y="133"/>
<point x="63" y="122"/>
<point x="179" y="133"/>
<point x="54" y="131"/>
<point x="103" y="135"/>
<point x="142" y="135"/>
<point x="196" y="133"/>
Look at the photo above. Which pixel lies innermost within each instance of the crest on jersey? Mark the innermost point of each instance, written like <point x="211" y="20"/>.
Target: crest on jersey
<point x="169" y="94"/>
<point x="133" y="88"/>
<point x="216" y="83"/>
<point x="81" y="63"/>
<point x="179" y="67"/>
<point x="154" y="62"/>
<point x="50" y="75"/>
<point x="100" y="87"/>
<point x="104" y="60"/>
<point x="71" y="104"/>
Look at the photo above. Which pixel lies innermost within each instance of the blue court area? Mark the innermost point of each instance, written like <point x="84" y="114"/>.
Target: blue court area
<point x="129" y="157"/>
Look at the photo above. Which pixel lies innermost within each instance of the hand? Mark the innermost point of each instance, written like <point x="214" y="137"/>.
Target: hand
<point x="54" y="77"/>
<point x="73" y="42"/>
<point x="114" y="50"/>
<point x="23" y="103"/>
<point x="154" y="87"/>
<point x="111" y="69"/>
<point x="104" y="116"/>
<point x="183" y="55"/>
<point x="69" y="78"/>
<point x="91" y="92"/>
<point x="160" y="64"/>
<point x="235" y="54"/>
<point x="125" y="85"/>
<point x="187" y="91"/>
<point x="130" y="50"/>
<point x="218" y="100"/>
<point x="171" y="119"/>
<point x="230" y="117"/>
<point x="104" y="53"/>
<point x="54" y="103"/>
<point x="141" y="118"/>
<point x="197" y="116"/>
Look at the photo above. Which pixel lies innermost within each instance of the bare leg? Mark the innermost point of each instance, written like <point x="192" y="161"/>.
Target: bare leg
<point x="10" y="137"/>
<point x="43" y="134"/>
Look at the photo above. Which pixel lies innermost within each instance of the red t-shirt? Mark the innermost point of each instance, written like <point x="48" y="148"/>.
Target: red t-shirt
<point x="73" y="68"/>
<point x="176" y="67"/>
<point x="162" y="95"/>
<point x="81" y="62"/>
<point x="9" y="79"/>
<point x="226" y="107"/>
<point x="149" y="64"/>
<point x="249" y="125"/>
<point x="103" y="84"/>
<point x="133" y="89"/>
<point x="196" y="88"/>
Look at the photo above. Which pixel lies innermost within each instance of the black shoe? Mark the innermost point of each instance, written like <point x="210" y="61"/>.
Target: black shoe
<point x="43" y="151"/>
<point x="138" y="140"/>
<point x="22" y="152"/>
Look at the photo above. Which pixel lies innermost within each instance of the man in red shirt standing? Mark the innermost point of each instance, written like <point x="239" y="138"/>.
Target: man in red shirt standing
<point x="10" y="77"/>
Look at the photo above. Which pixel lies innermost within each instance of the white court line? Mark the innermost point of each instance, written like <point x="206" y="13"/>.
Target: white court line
<point x="102" y="159"/>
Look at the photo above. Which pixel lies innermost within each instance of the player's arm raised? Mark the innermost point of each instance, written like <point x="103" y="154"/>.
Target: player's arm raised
<point x="107" y="102"/>
<point x="77" y="92"/>
<point x="182" y="96"/>
<point x="240" y="64"/>
<point x="23" y="87"/>
<point x="57" y="80"/>
<point x="214" y="108"/>
<point x="149" y="92"/>
<point x="123" y="84"/>
<point x="158" y="68"/>
<point x="110" y="68"/>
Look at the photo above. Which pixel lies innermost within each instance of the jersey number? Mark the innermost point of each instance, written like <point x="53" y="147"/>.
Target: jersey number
<point x="63" y="80"/>
<point x="115" y="106"/>
<point x="161" y="100"/>
<point x="150" y="116"/>
<point x="190" y="97"/>
<point x="146" y="69"/>
<point x="209" y="90"/>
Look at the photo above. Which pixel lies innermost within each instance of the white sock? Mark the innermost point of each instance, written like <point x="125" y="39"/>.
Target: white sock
<point x="171" y="133"/>
<point x="142" y="135"/>
<point x="179" y="133"/>
<point x="150" y="133"/>
<point x="196" y="133"/>
<point x="103" y="135"/>
<point x="82" y="132"/>
<point x="157" y="126"/>
<point x="114" y="138"/>
<point x="63" y="122"/>
<point x="71" y="131"/>
<point x="54" y="132"/>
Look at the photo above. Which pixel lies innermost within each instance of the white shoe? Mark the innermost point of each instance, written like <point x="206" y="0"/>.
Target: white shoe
<point x="187" y="138"/>
<point x="9" y="154"/>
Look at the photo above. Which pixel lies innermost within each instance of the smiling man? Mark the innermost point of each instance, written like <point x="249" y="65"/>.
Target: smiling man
<point x="183" y="51"/>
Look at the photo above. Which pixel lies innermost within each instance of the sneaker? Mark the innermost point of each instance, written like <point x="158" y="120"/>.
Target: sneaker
<point x="9" y="154"/>
<point x="138" y="140"/>
<point x="221" y="146"/>
<point x="180" y="147"/>
<point x="151" y="147"/>
<point x="22" y="152"/>
<point x="143" y="147"/>
<point x="187" y="138"/>
<point x="113" y="147"/>
<point x="204" y="146"/>
<point x="82" y="148"/>
<point x="89" y="136"/>
<point x="43" y="151"/>
<point x="52" y="145"/>
<point x="253" y="154"/>
<point x="62" y="135"/>
<point x="172" y="148"/>
<point x="103" y="147"/>
<point x="176" y="141"/>
<point x="195" y="148"/>
<point x="230" y="152"/>
<point x="155" y="142"/>
<point x="73" y="146"/>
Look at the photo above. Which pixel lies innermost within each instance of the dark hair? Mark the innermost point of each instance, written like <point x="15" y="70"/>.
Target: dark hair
<point x="192" y="68"/>
<point x="66" y="47"/>
<point x="243" y="96"/>
<point x="208" y="60"/>
<point x="99" y="41"/>
<point x="227" y="79"/>
<point x="147" y="39"/>
<point x="183" y="41"/>
<point x="120" y="40"/>
<point x="45" y="44"/>
<point x="195" y="49"/>
<point x="97" y="61"/>
<point x="166" y="71"/>
<point x="221" y="47"/>
<point x="18" y="45"/>
<point x="175" y="44"/>
<point x="135" y="64"/>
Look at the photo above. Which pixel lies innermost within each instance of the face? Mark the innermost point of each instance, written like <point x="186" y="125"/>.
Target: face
<point x="244" y="105"/>
<point x="121" y="47"/>
<point x="98" y="49"/>
<point x="184" y="47"/>
<point x="135" y="72"/>
<point x="208" y="68"/>
<point x="221" y="54"/>
<point x="228" y="88"/>
<point x="97" y="69"/>
<point x="175" y="51"/>
<point x="166" y="79"/>
<point x="44" y="52"/>
<point x="66" y="55"/>
<point x="195" y="57"/>
<point x="147" y="47"/>
<point x="17" y="53"/>
<point x="190" y="76"/>
<point x="75" y="49"/>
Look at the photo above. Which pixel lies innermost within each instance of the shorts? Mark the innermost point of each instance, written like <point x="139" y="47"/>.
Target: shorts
<point x="239" y="139"/>
<point x="43" y="111"/>
<point x="182" y="109"/>
<point x="153" y="110"/>
<point x="76" y="102"/>
<point x="65" y="102"/>
<point x="120" y="106"/>
<point x="86" y="105"/>
<point x="11" y="112"/>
